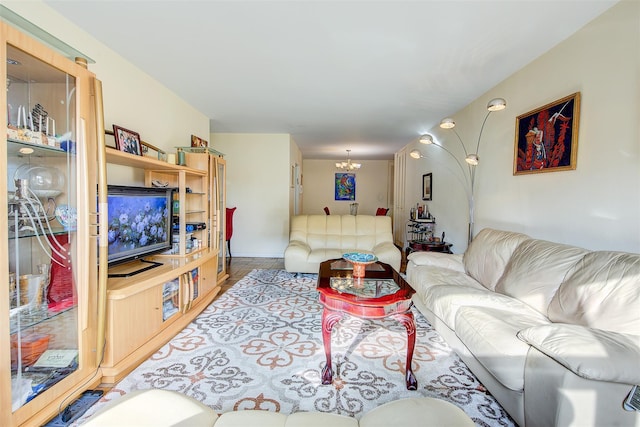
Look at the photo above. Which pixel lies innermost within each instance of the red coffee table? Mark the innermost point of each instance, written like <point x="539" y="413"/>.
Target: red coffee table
<point x="381" y="293"/>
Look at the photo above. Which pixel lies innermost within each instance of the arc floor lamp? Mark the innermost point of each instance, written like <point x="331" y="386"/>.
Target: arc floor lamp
<point x="471" y="159"/>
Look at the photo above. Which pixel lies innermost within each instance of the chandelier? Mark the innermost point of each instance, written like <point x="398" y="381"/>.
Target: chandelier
<point x="348" y="165"/>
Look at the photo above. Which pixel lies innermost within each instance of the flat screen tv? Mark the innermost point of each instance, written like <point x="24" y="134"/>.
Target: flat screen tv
<point x="139" y="221"/>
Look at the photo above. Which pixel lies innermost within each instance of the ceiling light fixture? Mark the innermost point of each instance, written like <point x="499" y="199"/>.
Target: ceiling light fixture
<point x="472" y="159"/>
<point x="348" y="165"/>
<point x="426" y="139"/>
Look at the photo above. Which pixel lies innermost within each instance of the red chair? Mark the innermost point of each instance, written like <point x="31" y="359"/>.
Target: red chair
<point x="229" y="229"/>
<point x="382" y="212"/>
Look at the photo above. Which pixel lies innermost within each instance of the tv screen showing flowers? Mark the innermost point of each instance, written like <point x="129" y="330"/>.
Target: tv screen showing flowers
<point x="139" y="221"/>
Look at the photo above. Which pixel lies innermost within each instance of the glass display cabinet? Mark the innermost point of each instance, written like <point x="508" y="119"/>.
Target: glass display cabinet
<point x="213" y="161"/>
<point x="47" y="256"/>
<point x="221" y="200"/>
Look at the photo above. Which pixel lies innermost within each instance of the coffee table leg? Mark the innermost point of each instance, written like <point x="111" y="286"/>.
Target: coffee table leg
<point x="410" y="324"/>
<point x="329" y="318"/>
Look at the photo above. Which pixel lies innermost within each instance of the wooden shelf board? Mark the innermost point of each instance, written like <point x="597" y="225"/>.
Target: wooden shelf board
<point x="121" y="158"/>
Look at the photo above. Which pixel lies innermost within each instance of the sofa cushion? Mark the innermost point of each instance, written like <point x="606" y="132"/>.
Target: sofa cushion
<point x="414" y="412"/>
<point x="359" y="232"/>
<point x="154" y="407"/>
<point x="425" y="277"/>
<point x="590" y="353"/>
<point x="488" y="254"/>
<point x="445" y="301"/>
<point x="320" y="255"/>
<point x="252" y="418"/>
<point x="437" y="259"/>
<point x="536" y="270"/>
<point x="602" y="291"/>
<point x="276" y="419"/>
<point x="490" y="334"/>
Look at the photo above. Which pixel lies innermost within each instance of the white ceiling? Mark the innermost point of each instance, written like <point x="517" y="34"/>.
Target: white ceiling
<point x="369" y="76"/>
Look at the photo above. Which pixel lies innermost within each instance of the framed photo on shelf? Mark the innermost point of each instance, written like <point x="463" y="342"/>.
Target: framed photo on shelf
<point x="547" y="137"/>
<point x="198" y="142"/>
<point x="127" y="140"/>
<point x="426" y="186"/>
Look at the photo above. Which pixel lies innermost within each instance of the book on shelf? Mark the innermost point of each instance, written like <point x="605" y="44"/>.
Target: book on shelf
<point x="56" y="359"/>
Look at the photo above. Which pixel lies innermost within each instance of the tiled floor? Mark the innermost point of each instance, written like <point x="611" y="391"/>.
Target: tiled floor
<point x="238" y="267"/>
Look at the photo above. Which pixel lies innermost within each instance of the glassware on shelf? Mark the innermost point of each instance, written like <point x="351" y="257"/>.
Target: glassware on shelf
<point x="44" y="181"/>
<point x="67" y="216"/>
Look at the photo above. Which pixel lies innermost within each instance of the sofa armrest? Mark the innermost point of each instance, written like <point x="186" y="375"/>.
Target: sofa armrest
<point x="384" y="247"/>
<point x="590" y="353"/>
<point x="296" y="258"/>
<point x="388" y="253"/>
<point x="438" y="259"/>
<point x="297" y="248"/>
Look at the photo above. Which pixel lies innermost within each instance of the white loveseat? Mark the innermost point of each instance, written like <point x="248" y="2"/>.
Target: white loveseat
<point x="552" y="331"/>
<point x="317" y="238"/>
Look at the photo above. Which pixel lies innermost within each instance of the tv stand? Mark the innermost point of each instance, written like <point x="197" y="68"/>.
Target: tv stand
<point x="132" y="268"/>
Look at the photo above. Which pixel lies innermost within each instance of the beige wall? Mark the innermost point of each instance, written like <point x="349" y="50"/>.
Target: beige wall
<point x="372" y="183"/>
<point x="597" y="206"/>
<point x="132" y="99"/>
<point x="258" y="184"/>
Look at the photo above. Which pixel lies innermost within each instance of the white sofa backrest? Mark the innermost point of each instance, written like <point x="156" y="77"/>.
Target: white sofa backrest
<point x="488" y="254"/>
<point x="602" y="291"/>
<point x="535" y="271"/>
<point x="341" y="231"/>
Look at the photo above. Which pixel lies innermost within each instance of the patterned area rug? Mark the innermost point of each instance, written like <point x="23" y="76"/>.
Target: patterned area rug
<point x="259" y="346"/>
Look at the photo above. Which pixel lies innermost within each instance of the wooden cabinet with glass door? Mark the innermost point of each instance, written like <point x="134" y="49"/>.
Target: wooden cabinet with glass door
<point x="48" y="256"/>
<point x="212" y="161"/>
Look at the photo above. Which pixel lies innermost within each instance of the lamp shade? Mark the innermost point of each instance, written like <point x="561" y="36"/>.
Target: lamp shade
<point x="472" y="159"/>
<point x="426" y="139"/>
<point x="447" y="123"/>
<point x="497" y="104"/>
<point x="415" y="154"/>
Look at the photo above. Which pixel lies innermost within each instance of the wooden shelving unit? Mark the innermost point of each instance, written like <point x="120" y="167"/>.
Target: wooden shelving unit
<point x="162" y="301"/>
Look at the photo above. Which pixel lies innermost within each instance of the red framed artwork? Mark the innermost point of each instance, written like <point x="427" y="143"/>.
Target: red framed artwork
<point x="547" y="137"/>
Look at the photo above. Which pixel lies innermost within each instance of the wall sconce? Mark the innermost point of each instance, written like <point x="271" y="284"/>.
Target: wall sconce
<point x="472" y="159"/>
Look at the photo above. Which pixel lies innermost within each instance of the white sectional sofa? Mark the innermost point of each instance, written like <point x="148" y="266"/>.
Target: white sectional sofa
<point x="317" y="238"/>
<point x="552" y="331"/>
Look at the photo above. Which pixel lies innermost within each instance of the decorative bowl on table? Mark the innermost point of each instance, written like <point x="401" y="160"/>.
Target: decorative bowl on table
<point x="359" y="261"/>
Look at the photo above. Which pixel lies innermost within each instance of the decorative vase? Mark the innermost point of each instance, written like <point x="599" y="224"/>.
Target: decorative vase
<point x="359" y="261"/>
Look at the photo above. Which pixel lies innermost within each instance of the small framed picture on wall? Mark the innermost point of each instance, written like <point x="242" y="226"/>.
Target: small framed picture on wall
<point x="426" y="186"/>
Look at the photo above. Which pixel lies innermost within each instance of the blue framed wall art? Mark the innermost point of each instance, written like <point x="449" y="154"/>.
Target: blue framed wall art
<point x="345" y="184"/>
